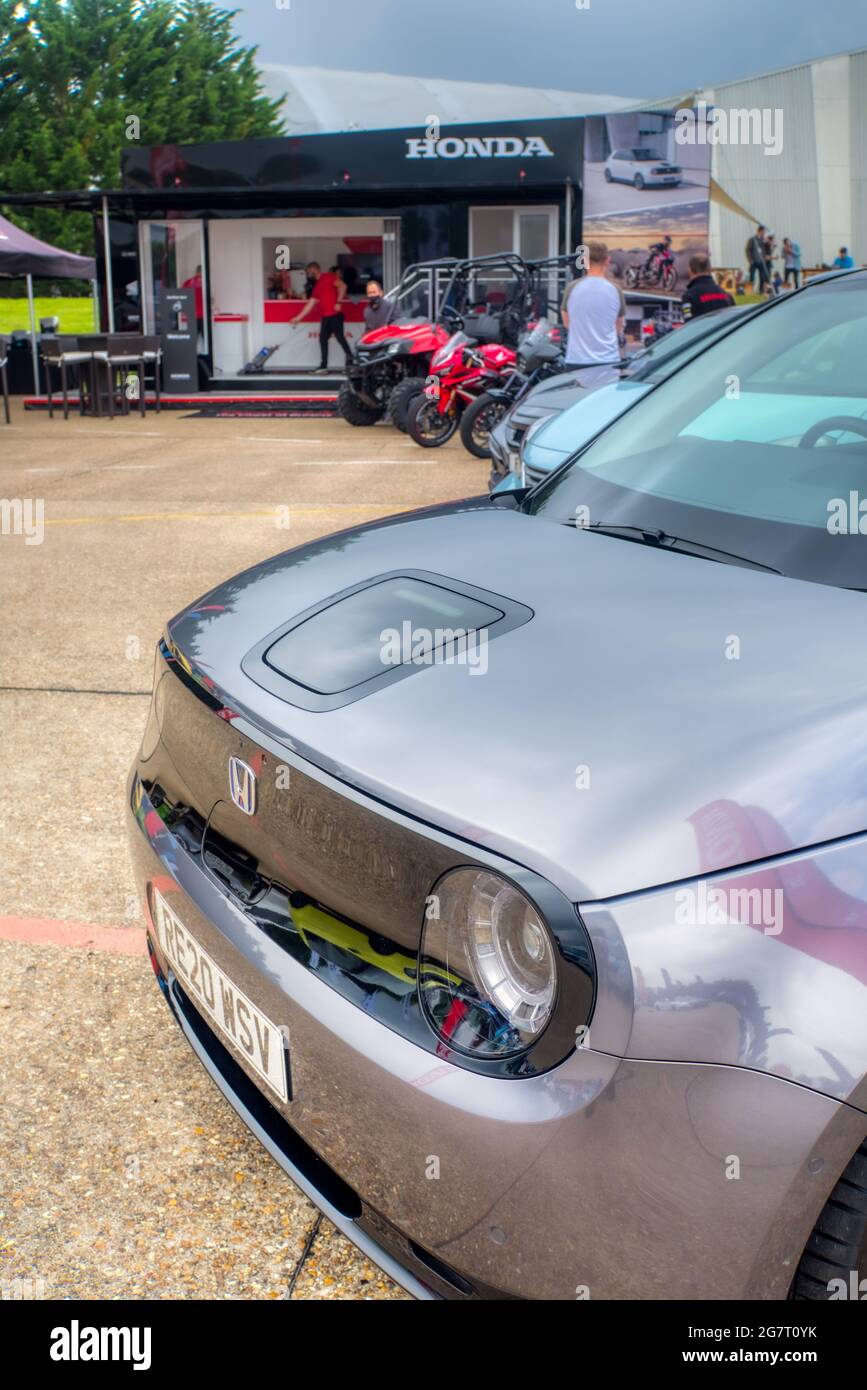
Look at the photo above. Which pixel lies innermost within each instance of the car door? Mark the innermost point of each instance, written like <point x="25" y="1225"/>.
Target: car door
<point x="620" y="165"/>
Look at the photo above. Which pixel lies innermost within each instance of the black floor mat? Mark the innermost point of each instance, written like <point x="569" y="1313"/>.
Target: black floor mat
<point x="259" y="411"/>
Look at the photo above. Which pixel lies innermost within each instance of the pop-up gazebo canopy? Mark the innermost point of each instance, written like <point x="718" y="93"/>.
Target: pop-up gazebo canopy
<point x="24" y="255"/>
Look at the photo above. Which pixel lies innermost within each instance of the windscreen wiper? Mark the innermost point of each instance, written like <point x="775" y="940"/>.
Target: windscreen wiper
<point x="608" y="362"/>
<point x="649" y="535"/>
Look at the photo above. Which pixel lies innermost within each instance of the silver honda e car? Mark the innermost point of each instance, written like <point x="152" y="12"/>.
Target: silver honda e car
<point x="505" y="864"/>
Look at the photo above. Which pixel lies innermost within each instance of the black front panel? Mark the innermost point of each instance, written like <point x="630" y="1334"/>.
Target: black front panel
<point x="304" y="835"/>
<point x="340" y="884"/>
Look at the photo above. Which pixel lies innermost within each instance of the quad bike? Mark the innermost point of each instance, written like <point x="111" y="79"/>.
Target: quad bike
<point x="392" y="363"/>
<point x="540" y="355"/>
<point x="460" y="371"/>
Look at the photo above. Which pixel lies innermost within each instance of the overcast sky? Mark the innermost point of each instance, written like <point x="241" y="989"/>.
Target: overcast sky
<point x="637" y="48"/>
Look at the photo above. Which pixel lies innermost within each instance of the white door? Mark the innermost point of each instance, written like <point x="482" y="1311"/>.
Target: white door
<point x="171" y="253"/>
<point x="530" y="231"/>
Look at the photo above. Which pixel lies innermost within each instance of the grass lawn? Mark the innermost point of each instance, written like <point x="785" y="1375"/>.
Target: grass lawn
<point x="76" y="315"/>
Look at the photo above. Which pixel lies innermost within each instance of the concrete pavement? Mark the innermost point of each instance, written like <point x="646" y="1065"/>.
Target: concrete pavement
<point x="126" y="1174"/>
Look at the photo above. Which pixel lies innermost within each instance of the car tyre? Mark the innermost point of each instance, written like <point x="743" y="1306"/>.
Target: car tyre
<point x="609" y="177"/>
<point x="353" y="410"/>
<point x="400" y="400"/>
<point x="638" y="181"/>
<point x="838" y="1244"/>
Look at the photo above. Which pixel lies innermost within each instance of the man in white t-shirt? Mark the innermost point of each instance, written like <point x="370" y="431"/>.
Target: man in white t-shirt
<point x="594" y="314"/>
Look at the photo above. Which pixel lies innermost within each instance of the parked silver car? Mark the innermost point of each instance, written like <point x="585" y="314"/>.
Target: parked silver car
<point x="643" y="168"/>
<point x="505" y="864"/>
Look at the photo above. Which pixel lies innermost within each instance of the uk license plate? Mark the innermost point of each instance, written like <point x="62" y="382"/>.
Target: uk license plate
<point x="234" y="1016"/>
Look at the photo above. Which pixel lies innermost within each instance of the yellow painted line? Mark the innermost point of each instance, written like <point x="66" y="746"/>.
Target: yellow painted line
<point x="220" y="516"/>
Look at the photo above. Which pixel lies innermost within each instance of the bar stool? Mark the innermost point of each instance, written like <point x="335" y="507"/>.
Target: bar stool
<point x="62" y="353"/>
<point x="152" y="355"/>
<point x="125" y="351"/>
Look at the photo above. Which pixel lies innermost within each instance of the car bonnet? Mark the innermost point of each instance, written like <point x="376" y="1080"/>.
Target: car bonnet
<point x="607" y="731"/>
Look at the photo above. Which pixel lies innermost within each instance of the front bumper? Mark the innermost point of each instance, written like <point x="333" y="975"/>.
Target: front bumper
<point x="505" y="444"/>
<point x="335" y="1198"/>
<point x="601" y="1174"/>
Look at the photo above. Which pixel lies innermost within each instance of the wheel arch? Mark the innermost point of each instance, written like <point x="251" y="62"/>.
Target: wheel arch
<point x="797" y="1214"/>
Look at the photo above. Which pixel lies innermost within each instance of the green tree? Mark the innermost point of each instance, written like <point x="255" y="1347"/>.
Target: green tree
<point x="80" y="78"/>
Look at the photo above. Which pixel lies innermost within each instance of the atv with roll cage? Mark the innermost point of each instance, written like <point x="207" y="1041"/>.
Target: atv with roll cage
<point x="494" y="294"/>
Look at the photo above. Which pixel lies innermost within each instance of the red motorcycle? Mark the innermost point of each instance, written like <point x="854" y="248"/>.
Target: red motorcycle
<point x="659" y="270"/>
<point x="460" y="371"/>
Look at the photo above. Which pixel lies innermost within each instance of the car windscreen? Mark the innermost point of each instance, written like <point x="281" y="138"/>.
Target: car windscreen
<point x="757" y="446"/>
<point x="655" y="361"/>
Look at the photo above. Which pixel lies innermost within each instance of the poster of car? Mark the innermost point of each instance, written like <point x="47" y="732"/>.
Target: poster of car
<point x="647" y="196"/>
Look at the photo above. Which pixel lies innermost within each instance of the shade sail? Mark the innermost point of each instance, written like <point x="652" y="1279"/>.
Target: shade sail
<point x="23" y="254"/>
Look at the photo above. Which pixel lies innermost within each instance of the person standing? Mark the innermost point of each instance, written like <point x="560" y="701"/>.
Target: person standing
<point x="195" y="284"/>
<point x="377" y="310"/>
<point x="791" y="262"/>
<point x="327" y="291"/>
<point x="770" y="256"/>
<point x="844" y="261"/>
<point x="702" y="294"/>
<point x="595" y="314"/>
<point x="756" y="260"/>
<point x="660" y="252"/>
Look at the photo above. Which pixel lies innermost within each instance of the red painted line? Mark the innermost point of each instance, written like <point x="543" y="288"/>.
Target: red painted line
<point x="48" y="931"/>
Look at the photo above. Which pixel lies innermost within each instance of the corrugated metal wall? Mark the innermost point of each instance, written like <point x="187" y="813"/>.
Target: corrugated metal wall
<point x="824" y="105"/>
<point x="779" y="190"/>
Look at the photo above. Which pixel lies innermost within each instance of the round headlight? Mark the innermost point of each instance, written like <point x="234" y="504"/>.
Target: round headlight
<point x="488" y="971"/>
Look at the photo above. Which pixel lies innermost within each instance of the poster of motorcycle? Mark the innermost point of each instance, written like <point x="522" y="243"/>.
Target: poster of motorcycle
<point x="647" y="196"/>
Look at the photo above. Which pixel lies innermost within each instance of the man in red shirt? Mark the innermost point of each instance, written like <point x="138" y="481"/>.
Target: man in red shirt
<point x="195" y="284"/>
<point x="327" y="292"/>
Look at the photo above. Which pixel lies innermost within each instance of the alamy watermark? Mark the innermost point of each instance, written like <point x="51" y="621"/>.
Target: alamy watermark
<point x="738" y="125"/>
<point x="854" y="1288"/>
<point x="438" y="646"/>
<point x="23" y="516"/>
<point x="77" y="1343"/>
<point x="847" y="516"/>
<point x="706" y="905"/>
<point x="22" y="1289"/>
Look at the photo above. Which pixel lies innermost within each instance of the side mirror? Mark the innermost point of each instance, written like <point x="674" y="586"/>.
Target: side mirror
<point x="509" y="497"/>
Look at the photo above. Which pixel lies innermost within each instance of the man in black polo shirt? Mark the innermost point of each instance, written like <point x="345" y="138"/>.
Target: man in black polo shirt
<point x="702" y="294"/>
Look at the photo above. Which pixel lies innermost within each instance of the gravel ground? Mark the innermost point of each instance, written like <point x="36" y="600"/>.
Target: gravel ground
<point x="125" y="1173"/>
